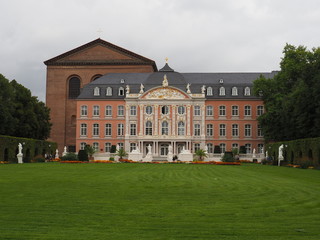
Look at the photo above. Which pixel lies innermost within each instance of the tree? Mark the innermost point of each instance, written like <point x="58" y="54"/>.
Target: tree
<point x="121" y="153"/>
<point x="291" y="97"/>
<point x="201" y="154"/>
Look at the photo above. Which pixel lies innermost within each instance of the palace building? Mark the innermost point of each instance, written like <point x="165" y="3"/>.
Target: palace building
<point x="122" y="99"/>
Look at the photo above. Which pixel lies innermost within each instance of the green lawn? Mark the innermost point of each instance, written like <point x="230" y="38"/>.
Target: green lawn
<point x="158" y="201"/>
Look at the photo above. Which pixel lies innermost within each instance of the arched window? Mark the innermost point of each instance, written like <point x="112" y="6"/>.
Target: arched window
<point x="234" y="91"/>
<point x="247" y="91"/>
<point x="181" y="128"/>
<point x="74" y="87"/>
<point x="96" y="91"/>
<point x="209" y="91"/>
<point x="148" y="128"/>
<point x="109" y="91"/>
<point x="222" y="91"/>
<point x="121" y="91"/>
<point x="95" y="77"/>
<point x="165" y="128"/>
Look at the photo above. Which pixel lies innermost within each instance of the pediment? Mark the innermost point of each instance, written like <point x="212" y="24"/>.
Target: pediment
<point x="165" y="93"/>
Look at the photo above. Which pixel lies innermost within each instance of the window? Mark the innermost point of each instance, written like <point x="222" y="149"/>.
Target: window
<point x="96" y="91"/>
<point x="108" y="111"/>
<point x="121" y="80"/>
<point x="222" y="130"/>
<point x="107" y="147"/>
<point x="165" y="128"/>
<point x="133" y="146"/>
<point x="221" y="80"/>
<point x="235" y="130"/>
<point x="96" y="111"/>
<point x="223" y="147"/>
<point x="260" y="148"/>
<point x="121" y="110"/>
<point x="247" y="130"/>
<point x="234" y="91"/>
<point x="149" y="110"/>
<point x="148" y="128"/>
<point x="95" y="130"/>
<point x="74" y="87"/>
<point x="95" y="146"/>
<point x="108" y="129"/>
<point x="181" y="128"/>
<point x="259" y="131"/>
<point x="133" y="129"/>
<point x="84" y="110"/>
<point x="165" y="110"/>
<point x="197" y="111"/>
<point x="133" y="110"/>
<point x="260" y="110"/>
<point x="82" y="145"/>
<point x="83" y="129"/>
<point x="120" y="145"/>
<point x="209" y="91"/>
<point x="222" y="91"/>
<point x="209" y="130"/>
<point x="247" y="111"/>
<point x="222" y="110"/>
<point x="247" y="91"/>
<point x="120" y="129"/>
<point x="210" y="147"/>
<point x="121" y="91"/>
<point x="109" y="91"/>
<point x="197" y="129"/>
<point x="209" y="110"/>
<point x="196" y="147"/>
<point x="248" y="147"/>
<point x="181" y="110"/>
<point x="235" y="146"/>
<point x="235" y="111"/>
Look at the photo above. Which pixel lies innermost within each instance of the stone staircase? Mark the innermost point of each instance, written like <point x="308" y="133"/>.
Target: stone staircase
<point x="159" y="159"/>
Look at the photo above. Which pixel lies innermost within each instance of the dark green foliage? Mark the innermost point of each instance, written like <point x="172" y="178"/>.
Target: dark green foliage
<point x="89" y="150"/>
<point x="201" y="154"/>
<point x="31" y="148"/>
<point x="228" y="157"/>
<point x="111" y="158"/>
<point x="113" y="149"/>
<point x="69" y="157"/>
<point x="21" y="114"/>
<point x="217" y="149"/>
<point x="292" y="97"/>
<point x="121" y="153"/>
<point x="242" y="150"/>
<point x="83" y="155"/>
<point x="38" y="158"/>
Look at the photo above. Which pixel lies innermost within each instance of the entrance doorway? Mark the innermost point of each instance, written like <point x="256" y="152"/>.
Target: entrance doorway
<point x="164" y="149"/>
<point x="180" y="147"/>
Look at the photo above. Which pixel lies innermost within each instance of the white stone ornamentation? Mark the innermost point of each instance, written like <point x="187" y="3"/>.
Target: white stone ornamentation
<point x="165" y="93"/>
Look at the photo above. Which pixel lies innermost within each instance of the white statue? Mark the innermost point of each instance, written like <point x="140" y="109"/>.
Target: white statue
<point x="117" y="147"/>
<point x="188" y="88"/>
<point x="20" y="148"/>
<point x="149" y="149"/>
<point x="206" y="148"/>
<point x="254" y="153"/>
<point x="64" y="151"/>
<point x="165" y="81"/>
<point x="203" y="89"/>
<point x="141" y="88"/>
<point x="137" y="149"/>
<point x="127" y="89"/>
<point x="267" y="156"/>
<point x="281" y="152"/>
<point x="170" y="149"/>
<point x="57" y="153"/>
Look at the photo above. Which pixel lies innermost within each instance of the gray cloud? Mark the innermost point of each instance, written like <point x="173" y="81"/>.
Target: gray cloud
<point x="197" y="36"/>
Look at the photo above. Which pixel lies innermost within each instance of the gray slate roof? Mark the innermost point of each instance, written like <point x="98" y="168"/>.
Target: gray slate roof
<point x="175" y="79"/>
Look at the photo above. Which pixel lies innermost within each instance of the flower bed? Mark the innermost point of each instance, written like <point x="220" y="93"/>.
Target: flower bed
<point x="102" y="161"/>
<point x="72" y="162"/>
<point x="227" y="163"/>
<point x="126" y="161"/>
<point x="246" y="161"/>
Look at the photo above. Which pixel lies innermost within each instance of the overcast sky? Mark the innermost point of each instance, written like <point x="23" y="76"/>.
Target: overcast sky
<point x="196" y="35"/>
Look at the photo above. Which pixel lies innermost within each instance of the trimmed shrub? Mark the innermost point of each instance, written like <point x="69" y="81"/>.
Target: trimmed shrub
<point x="83" y="155"/>
<point x="111" y="158"/>
<point x="227" y="157"/>
<point x="69" y="157"/>
<point x="113" y="149"/>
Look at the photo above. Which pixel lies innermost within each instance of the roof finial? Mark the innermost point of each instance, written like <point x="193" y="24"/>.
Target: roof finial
<point x="167" y="59"/>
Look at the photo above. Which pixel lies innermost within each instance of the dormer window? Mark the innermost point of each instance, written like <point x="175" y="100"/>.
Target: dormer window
<point x="209" y="91"/>
<point x="221" y="80"/>
<point x="121" y="91"/>
<point x="247" y="91"/>
<point x="109" y="91"/>
<point x="122" y="81"/>
<point x="222" y="91"/>
<point x="96" y="91"/>
<point x="234" y="91"/>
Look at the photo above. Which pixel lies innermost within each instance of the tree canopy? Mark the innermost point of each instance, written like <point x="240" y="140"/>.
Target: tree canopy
<point x="292" y="97"/>
<point x="21" y="114"/>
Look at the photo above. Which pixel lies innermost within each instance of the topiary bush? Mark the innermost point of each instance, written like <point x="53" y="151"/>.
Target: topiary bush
<point x="228" y="157"/>
<point x="83" y="156"/>
<point x="70" y="157"/>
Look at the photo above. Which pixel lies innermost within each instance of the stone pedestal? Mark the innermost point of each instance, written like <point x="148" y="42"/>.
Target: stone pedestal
<point x="169" y="157"/>
<point x="148" y="158"/>
<point x="20" y="157"/>
<point x="185" y="157"/>
<point x="101" y="156"/>
<point x="135" y="156"/>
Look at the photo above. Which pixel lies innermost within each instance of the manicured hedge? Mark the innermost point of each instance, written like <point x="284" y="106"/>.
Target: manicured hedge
<point x="31" y="148"/>
<point x="303" y="152"/>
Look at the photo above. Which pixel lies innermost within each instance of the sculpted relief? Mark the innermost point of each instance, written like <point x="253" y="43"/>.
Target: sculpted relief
<point x="165" y="93"/>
